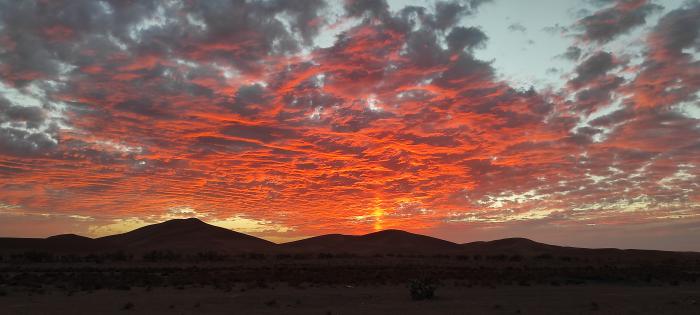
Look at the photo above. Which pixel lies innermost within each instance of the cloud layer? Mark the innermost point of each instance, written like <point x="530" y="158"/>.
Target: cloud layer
<point x="113" y="111"/>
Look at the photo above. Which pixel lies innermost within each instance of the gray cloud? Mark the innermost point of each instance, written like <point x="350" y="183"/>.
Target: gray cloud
<point x="517" y="27"/>
<point x="595" y="66"/>
<point x="22" y="142"/>
<point x="606" y="24"/>
<point x="463" y="37"/>
<point x="572" y="53"/>
<point x="32" y="116"/>
<point x="679" y="29"/>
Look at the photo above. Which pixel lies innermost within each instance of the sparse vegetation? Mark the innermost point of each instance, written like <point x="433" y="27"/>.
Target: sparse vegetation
<point x="422" y="289"/>
<point x="128" y="306"/>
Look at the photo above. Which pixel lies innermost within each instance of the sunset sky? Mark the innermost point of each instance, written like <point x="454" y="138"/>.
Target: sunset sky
<point x="568" y="122"/>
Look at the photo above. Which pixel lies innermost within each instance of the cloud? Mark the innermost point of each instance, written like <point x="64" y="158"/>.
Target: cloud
<point x="517" y="27"/>
<point x="31" y="116"/>
<point x="572" y="53"/>
<point x="27" y="127"/>
<point x="462" y="37"/>
<point x="593" y="67"/>
<point x="606" y="24"/>
<point x="669" y="73"/>
<point x="229" y="108"/>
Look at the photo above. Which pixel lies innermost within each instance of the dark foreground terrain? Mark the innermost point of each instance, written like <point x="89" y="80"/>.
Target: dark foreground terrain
<point x="286" y="284"/>
<point x="188" y="266"/>
<point x="384" y="299"/>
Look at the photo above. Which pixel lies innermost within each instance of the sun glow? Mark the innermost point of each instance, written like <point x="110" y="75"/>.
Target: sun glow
<point x="378" y="214"/>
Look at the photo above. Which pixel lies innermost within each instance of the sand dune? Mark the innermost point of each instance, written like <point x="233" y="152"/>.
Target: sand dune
<point x="193" y="235"/>
<point x="382" y="242"/>
<point x="187" y="235"/>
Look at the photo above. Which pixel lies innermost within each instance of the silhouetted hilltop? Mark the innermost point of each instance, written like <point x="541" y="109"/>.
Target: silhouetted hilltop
<point x="64" y="243"/>
<point x="192" y="236"/>
<point x="69" y="238"/>
<point x="514" y="245"/>
<point x="187" y="235"/>
<point x="382" y="242"/>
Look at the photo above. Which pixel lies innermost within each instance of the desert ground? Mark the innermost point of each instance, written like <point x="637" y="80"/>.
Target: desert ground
<point x="382" y="299"/>
<point x="189" y="267"/>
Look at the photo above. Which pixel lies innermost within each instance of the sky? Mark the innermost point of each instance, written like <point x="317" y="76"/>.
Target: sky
<point x="566" y="122"/>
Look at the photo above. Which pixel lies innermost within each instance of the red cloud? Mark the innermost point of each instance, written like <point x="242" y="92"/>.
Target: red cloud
<point x="386" y="128"/>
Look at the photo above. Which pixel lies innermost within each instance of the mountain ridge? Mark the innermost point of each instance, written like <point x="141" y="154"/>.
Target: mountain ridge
<point x="194" y="235"/>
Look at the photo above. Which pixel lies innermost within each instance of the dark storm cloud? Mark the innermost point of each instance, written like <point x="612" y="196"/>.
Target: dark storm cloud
<point x="593" y="67"/>
<point x="21" y="142"/>
<point x="260" y="133"/>
<point x="598" y="95"/>
<point x="423" y="48"/>
<point x="25" y="130"/>
<point x="145" y="107"/>
<point x="679" y="29"/>
<point x="465" y="37"/>
<point x="45" y="35"/>
<point x="306" y="15"/>
<point x="448" y="13"/>
<point x="32" y="116"/>
<point x="227" y="106"/>
<point x="237" y="20"/>
<point x="250" y="98"/>
<point x="464" y="69"/>
<point x="376" y="8"/>
<point x="606" y="24"/>
<point x="613" y="118"/>
<point x="669" y="74"/>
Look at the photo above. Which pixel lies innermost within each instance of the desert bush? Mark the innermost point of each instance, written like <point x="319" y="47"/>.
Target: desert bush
<point x="157" y="256"/>
<point x="33" y="257"/>
<point x="256" y="256"/>
<point x="118" y="256"/>
<point x="271" y="303"/>
<point x="128" y="306"/>
<point x="544" y="256"/>
<point x="300" y="256"/>
<point x="283" y="256"/>
<point x="211" y="256"/>
<point x="422" y="289"/>
<point x="499" y="257"/>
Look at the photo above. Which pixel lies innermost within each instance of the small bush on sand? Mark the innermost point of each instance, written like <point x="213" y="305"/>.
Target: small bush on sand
<point x="422" y="289"/>
<point x="128" y="306"/>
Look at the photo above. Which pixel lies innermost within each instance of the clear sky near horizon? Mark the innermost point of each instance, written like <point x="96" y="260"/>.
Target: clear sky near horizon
<point x="567" y="122"/>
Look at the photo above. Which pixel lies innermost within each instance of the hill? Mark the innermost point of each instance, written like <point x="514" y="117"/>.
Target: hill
<point x="192" y="236"/>
<point x="64" y="243"/>
<point x="188" y="235"/>
<point x="382" y="242"/>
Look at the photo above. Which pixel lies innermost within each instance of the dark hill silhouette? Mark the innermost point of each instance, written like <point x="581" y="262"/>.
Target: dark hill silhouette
<point x="515" y="245"/>
<point x="187" y="235"/>
<point x="193" y="235"/>
<point x="382" y="242"/>
<point x="69" y="238"/>
<point x="64" y="243"/>
<point x="527" y="247"/>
